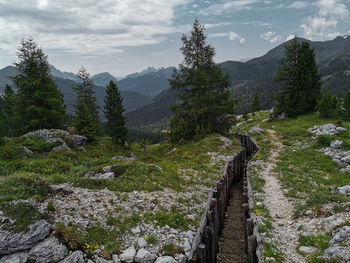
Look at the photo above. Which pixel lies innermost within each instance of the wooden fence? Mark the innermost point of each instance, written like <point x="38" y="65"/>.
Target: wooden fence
<point x="205" y="244"/>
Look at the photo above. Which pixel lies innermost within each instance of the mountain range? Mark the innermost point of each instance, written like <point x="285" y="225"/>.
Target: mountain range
<point x="147" y="97"/>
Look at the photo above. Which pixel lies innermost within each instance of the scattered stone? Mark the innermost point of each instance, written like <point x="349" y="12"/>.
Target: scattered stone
<point x="340" y="129"/>
<point x="343" y="253"/>
<point x="78" y="140"/>
<point x="256" y="129"/>
<point x="329" y="129"/>
<point x="187" y="245"/>
<point x="60" y="147"/>
<point x="271" y="114"/>
<point x="165" y="259"/>
<point x="75" y="257"/>
<point x="136" y="230"/>
<point x="47" y="134"/>
<point x="124" y="158"/>
<point x="282" y="116"/>
<point x="307" y="250"/>
<point x="270" y="259"/>
<point x="331" y="222"/>
<point x="227" y="142"/>
<point x="343" y="190"/>
<point x="102" y="260"/>
<point x="345" y="170"/>
<point x="47" y="251"/>
<point x="341" y="235"/>
<point x="156" y="167"/>
<point x="142" y="243"/>
<point x="13" y="242"/>
<point x="144" y="256"/>
<point x="173" y="150"/>
<point x="82" y="149"/>
<point x="27" y="151"/>
<point x="128" y="255"/>
<point x="105" y="176"/>
<point x="115" y="259"/>
<point x="335" y="144"/>
<point x="20" y="257"/>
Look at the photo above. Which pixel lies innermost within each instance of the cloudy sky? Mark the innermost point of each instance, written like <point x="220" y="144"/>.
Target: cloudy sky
<point x="126" y="36"/>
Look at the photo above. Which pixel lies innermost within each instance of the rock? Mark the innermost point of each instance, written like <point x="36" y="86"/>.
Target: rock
<point x="13" y="242"/>
<point x="20" y="257"/>
<point x="346" y="159"/>
<point x="142" y="243"/>
<point x="331" y="222"/>
<point x="181" y="258"/>
<point x="75" y="257"/>
<point x="144" y="256"/>
<point x="227" y="142"/>
<point x="82" y="149"/>
<point x="78" y="140"/>
<point x="165" y="259"/>
<point x="343" y="253"/>
<point x="341" y="235"/>
<point x="345" y="170"/>
<point x="256" y="129"/>
<point x="156" y="167"/>
<point x="190" y="217"/>
<point x="105" y="176"/>
<point x="124" y="158"/>
<point x="335" y="144"/>
<point x="47" y="134"/>
<point x="136" y="230"/>
<point x="27" y="151"/>
<point x="270" y="259"/>
<point x="190" y="234"/>
<point x="271" y="114"/>
<point x="128" y="255"/>
<point x="307" y="250"/>
<point x="329" y="128"/>
<point x="340" y="129"/>
<point x="282" y="116"/>
<point x="115" y="259"/>
<point x="47" y="251"/>
<point x="102" y="260"/>
<point x="173" y="150"/>
<point x="107" y="169"/>
<point x="60" y="147"/>
<point x="187" y="245"/>
<point x="343" y="190"/>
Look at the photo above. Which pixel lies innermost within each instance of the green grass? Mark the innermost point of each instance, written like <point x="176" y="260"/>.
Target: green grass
<point x="272" y="251"/>
<point x="321" y="242"/>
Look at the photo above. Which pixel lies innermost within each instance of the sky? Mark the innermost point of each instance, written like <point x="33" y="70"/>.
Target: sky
<point x="126" y="36"/>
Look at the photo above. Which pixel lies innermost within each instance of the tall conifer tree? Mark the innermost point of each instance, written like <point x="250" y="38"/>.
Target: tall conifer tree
<point x="255" y="105"/>
<point x="39" y="103"/>
<point x="113" y="110"/>
<point x="206" y="101"/>
<point x="86" y="109"/>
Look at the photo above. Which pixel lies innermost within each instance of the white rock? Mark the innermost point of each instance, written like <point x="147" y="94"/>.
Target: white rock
<point x="343" y="190"/>
<point x="336" y="144"/>
<point x="331" y="222"/>
<point x="20" y="257"/>
<point x="47" y="251"/>
<point x="102" y="260"/>
<point x="307" y="250"/>
<point x="128" y="255"/>
<point x="341" y="235"/>
<point x="136" y="230"/>
<point x="345" y="170"/>
<point x="187" y="245"/>
<point x="144" y="256"/>
<point x="115" y="259"/>
<point x="343" y="253"/>
<point x="256" y="129"/>
<point x="340" y="129"/>
<point x="141" y="242"/>
<point x="75" y="257"/>
<point x="165" y="259"/>
<point x="227" y="142"/>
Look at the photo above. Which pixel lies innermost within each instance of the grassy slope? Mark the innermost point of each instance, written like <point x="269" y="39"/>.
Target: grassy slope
<point x="307" y="175"/>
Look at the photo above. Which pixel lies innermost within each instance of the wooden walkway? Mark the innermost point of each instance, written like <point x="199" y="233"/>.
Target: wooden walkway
<point x="232" y="241"/>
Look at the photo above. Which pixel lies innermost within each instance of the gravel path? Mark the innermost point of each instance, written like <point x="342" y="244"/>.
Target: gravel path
<point x="285" y="237"/>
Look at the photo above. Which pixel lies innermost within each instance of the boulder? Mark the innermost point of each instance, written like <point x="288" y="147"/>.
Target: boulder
<point x="78" y="140"/>
<point x="345" y="159"/>
<point x="256" y="129"/>
<point x="142" y="243"/>
<point x="20" y="257"/>
<point x="75" y="257"/>
<point x="341" y="235"/>
<point x="144" y="256"/>
<point x="128" y="255"/>
<point x="335" y="144"/>
<point x="331" y="222"/>
<point x="165" y="259"/>
<point x="340" y="129"/>
<point x="60" y="147"/>
<point x="307" y="250"/>
<point x="13" y="242"/>
<point x="343" y="190"/>
<point x="187" y="245"/>
<point x="345" y="170"/>
<point x="115" y="259"/>
<point x="343" y="253"/>
<point x="48" y="251"/>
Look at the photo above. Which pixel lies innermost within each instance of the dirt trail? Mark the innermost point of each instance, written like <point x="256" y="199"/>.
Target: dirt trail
<point x="284" y="236"/>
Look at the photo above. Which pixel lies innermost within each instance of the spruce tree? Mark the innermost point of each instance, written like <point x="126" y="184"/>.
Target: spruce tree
<point x="113" y="110"/>
<point x="86" y="109"/>
<point x="326" y="105"/>
<point x="39" y="103"/>
<point x="206" y="101"/>
<point x="299" y="80"/>
<point x="9" y="110"/>
<point x="347" y="106"/>
<point x="255" y="105"/>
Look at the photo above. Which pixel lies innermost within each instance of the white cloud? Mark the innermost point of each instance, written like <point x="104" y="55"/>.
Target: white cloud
<point x="290" y="37"/>
<point x="227" y="6"/>
<point x="323" y="25"/>
<point x="235" y="37"/>
<point x="299" y="5"/>
<point x="217" y="24"/>
<point x="257" y="23"/>
<point x="87" y="26"/>
<point x="218" y="35"/>
<point x="272" y="37"/>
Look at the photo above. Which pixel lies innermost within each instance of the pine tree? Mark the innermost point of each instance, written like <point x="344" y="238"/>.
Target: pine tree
<point x="113" y="110"/>
<point x="326" y="105"/>
<point x="299" y="80"/>
<point x="86" y="109"/>
<point x="347" y="106"/>
<point x="39" y="103"/>
<point x="206" y="101"/>
<point x="9" y="110"/>
<point x="255" y="105"/>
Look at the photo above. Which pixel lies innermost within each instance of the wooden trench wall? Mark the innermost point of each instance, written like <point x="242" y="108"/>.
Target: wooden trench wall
<point x="205" y="243"/>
